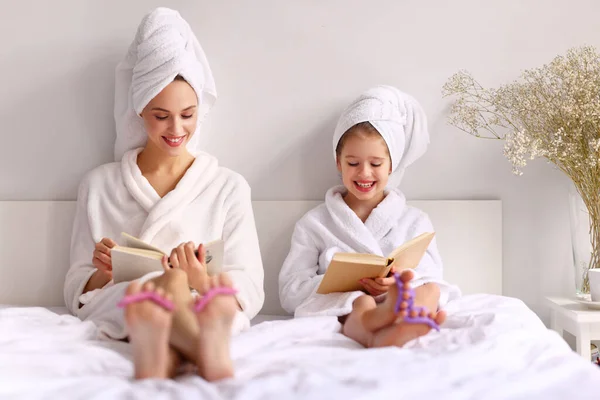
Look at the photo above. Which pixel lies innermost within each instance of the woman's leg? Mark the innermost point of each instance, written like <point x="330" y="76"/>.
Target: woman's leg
<point x="204" y="337"/>
<point x="184" y="327"/>
<point x="215" y="321"/>
<point x="149" y="327"/>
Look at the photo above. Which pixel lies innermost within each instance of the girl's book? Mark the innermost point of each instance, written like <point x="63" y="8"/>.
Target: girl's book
<point x="135" y="258"/>
<point x="346" y="269"/>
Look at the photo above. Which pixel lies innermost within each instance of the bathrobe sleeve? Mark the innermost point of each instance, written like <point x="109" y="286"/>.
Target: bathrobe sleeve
<point x="430" y="268"/>
<point x="81" y="253"/>
<point x="242" y="259"/>
<point x="298" y="277"/>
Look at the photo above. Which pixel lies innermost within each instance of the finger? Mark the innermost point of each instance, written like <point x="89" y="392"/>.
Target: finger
<point x="189" y="248"/>
<point x="368" y="288"/>
<point x="385" y="281"/>
<point x="103" y="258"/>
<point x="370" y="283"/>
<point x="181" y="255"/>
<point x="100" y="265"/>
<point x="165" y="263"/>
<point x="103" y="249"/>
<point x="174" y="259"/>
<point x="108" y="242"/>
<point x="202" y="254"/>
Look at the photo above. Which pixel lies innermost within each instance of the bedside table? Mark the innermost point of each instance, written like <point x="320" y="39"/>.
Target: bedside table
<point x="575" y="318"/>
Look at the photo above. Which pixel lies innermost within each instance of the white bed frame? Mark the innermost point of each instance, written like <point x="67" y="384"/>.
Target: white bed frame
<point x="35" y="238"/>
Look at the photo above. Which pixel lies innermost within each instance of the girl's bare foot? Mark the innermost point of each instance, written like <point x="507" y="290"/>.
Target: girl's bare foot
<point x="401" y="332"/>
<point x="215" y="321"/>
<point x="388" y="327"/>
<point x="149" y="327"/>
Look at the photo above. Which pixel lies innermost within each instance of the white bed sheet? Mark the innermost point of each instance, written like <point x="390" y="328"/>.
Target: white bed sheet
<point x="491" y="347"/>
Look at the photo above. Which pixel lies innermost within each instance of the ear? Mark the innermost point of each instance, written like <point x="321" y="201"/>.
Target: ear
<point x="338" y="164"/>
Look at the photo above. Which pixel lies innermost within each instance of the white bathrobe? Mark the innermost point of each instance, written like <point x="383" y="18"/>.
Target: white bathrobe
<point x="210" y="202"/>
<point x="333" y="227"/>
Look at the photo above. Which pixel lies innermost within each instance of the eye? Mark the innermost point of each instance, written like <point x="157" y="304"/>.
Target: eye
<point x="375" y="165"/>
<point x="353" y="164"/>
<point x="187" y="116"/>
<point x="161" y="118"/>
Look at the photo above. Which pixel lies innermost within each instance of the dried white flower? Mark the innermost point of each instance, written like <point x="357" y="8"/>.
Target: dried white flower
<point x="552" y="112"/>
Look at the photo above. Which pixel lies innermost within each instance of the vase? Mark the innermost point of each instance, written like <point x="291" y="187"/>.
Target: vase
<point x="582" y="244"/>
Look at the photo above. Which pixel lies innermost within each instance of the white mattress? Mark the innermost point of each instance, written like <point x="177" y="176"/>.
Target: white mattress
<point x="490" y="348"/>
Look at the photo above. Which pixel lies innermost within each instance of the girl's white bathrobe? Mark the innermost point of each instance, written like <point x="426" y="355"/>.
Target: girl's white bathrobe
<point x="209" y="202"/>
<point x="333" y="227"/>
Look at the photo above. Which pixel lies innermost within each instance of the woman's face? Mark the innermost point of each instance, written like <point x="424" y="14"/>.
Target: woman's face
<point x="170" y="118"/>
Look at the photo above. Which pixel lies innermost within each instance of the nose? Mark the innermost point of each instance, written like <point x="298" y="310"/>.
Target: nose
<point x="364" y="171"/>
<point x="177" y="127"/>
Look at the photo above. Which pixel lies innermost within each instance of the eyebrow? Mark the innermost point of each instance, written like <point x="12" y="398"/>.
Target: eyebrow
<point x="374" y="158"/>
<point x="167" y="111"/>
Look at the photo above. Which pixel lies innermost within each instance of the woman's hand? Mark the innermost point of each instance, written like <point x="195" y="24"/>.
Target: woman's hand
<point x="101" y="256"/>
<point x="184" y="257"/>
<point x="378" y="286"/>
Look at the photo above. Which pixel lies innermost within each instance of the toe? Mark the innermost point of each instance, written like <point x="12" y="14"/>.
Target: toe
<point x="225" y="280"/>
<point x="440" y="317"/>
<point x="133" y="288"/>
<point x="148" y="286"/>
<point x="407" y="275"/>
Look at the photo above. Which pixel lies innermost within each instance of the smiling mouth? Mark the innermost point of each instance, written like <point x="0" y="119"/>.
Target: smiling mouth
<point x="173" y="141"/>
<point x="364" y="186"/>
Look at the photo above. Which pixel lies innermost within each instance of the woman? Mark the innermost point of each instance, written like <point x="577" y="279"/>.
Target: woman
<point x="165" y="191"/>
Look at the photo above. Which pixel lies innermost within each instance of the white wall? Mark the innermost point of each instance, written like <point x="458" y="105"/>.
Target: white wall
<point x="284" y="70"/>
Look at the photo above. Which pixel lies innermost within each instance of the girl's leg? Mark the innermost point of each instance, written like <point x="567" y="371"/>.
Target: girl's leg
<point x="353" y="326"/>
<point x="378" y="325"/>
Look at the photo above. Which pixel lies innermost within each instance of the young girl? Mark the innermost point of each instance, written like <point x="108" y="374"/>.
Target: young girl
<point x="167" y="192"/>
<point x="376" y="138"/>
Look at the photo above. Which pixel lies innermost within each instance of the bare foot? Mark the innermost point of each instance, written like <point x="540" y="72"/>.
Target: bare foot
<point x="385" y="313"/>
<point x="388" y="328"/>
<point x="400" y="333"/>
<point x="215" y="321"/>
<point x="149" y="327"/>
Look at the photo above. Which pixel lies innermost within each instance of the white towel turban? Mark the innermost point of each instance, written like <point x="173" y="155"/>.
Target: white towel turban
<point x="164" y="47"/>
<point x="398" y="118"/>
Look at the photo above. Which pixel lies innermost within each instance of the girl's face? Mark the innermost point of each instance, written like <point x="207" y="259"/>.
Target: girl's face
<point x="365" y="166"/>
<point x="170" y="118"/>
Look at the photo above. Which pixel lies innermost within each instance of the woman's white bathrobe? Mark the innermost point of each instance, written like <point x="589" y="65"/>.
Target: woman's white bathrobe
<point x="209" y="202"/>
<point x="333" y="227"/>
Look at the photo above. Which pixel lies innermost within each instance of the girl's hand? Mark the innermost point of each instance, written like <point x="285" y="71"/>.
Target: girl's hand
<point x="378" y="286"/>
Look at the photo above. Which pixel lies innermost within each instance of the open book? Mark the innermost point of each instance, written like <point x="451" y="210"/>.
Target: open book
<point x="135" y="258"/>
<point x="346" y="269"/>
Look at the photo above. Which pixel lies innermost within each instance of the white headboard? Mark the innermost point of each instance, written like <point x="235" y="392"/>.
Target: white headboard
<point x="35" y="238"/>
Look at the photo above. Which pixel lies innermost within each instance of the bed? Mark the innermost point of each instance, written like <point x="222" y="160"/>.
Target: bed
<point x="491" y="346"/>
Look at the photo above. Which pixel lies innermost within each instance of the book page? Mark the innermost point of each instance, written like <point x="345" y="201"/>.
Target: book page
<point x="131" y="241"/>
<point x="344" y="276"/>
<point x="410" y="253"/>
<point x="360" y="258"/>
<point x="214" y="257"/>
<point x="128" y="266"/>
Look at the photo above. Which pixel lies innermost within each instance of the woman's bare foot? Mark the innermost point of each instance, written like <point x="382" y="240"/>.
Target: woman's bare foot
<point x="215" y="321"/>
<point x="388" y="327"/>
<point x="149" y="327"/>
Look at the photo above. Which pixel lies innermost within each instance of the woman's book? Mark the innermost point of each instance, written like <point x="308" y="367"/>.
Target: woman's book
<point x="346" y="269"/>
<point x="135" y="258"/>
